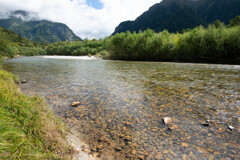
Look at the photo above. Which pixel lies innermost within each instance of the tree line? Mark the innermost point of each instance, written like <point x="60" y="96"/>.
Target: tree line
<point x="77" y="48"/>
<point x="12" y="44"/>
<point x="218" y="43"/>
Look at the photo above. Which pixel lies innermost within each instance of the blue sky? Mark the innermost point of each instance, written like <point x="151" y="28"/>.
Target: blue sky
<point x="95" y="4"/>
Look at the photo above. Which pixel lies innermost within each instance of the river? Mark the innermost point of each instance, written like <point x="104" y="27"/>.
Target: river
<point x="123" y="103"/>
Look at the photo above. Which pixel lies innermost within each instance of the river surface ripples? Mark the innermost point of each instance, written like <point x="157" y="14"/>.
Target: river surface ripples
<point x="123" y="103"/>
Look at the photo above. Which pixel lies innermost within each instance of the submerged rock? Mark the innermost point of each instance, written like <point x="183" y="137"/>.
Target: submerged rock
<point x="231" y="128"/>
<point x="158" y="155"/>
<point x="167" y="120"/>
<point x="170" y="128"/>
<point x="206" y="124"/>
<point x="118" y="149"/>
<point x="75" y="104"/>
<point x="133" y="152"/>
<point x="99" y="147"/>
<point x="140" y="157"/>
<point x="23" y="81"/>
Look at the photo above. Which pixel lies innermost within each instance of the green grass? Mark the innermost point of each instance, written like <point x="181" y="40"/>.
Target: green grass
<point x="28" y="130"/>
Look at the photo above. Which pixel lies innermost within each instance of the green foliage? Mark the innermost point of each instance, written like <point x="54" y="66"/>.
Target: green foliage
<point x="235" y="21"/>
<point x="218" y="24"/>
<point x="12" y="44"/>
<point x="215" y="44"/>
<point x="28" y="130"/>
<point x="77" y="48"/>
<point x="31" y="51"/>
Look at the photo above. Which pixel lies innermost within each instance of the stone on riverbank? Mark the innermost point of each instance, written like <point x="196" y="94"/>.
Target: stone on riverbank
<point x="231" y="128"/>
<point x="23" y="81"/>
<point x="75" y="104"/>
<point x="167" y="120"/>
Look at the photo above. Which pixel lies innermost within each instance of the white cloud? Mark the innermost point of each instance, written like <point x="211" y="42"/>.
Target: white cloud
<point x="84" y="20"/>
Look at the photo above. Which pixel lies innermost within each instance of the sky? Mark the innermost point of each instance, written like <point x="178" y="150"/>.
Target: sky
<point x="87" y="18"/>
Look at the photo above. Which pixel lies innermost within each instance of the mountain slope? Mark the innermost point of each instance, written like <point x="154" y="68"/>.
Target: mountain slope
<point x="176" y="15"/>
<point x="37" y="30"/>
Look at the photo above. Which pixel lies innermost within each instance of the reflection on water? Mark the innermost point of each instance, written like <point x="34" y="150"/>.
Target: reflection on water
<point x="123" y="103"/>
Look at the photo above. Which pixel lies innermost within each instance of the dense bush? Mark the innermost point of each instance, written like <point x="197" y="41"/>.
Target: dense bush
<point x="12" y="44"/>
<point x="215" y="44"/>
<point x="77" y="48"/>
<point x="31" y="51"/>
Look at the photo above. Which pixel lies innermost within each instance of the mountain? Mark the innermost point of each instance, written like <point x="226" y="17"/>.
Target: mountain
<point x="177" y="15"/>
<point x="28" y="25"/>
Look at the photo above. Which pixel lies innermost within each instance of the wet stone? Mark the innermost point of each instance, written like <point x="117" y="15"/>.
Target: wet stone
<point x="118" y="149"/>
<point x="167" y="120"/>
<point x="141" y="157"/>
<point x="128" y="138"/>
<point x="75" y="104"/>
<point x="99" y="146"/>
<point x="117" y="102"/>
<point x="206" y="124"/>
<point x="184" y="144"/>
<point x="23" y="81"/>
<point x="122" y="135"/>
<point x="158" y="156"/>
<point x="133" y="152"/>
<point x="231" y="128"/>
<point x="170" y="128"/>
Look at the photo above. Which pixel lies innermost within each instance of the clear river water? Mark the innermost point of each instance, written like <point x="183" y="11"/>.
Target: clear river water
<point x="123" y="104"/>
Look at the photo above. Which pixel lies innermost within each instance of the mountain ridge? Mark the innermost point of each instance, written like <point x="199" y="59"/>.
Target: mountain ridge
<point x="34" y="29"/>
<point x="177" y="15"/>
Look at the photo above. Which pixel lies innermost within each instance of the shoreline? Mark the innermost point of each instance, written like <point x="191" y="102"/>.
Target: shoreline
<point x="26" y="120"/>
<point x="70" y="57"/>
<point x="119" y="134"/>
<point x="82" y="149"/>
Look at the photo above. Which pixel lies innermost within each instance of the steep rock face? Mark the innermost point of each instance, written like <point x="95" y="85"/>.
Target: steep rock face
<point x="37" y="30"/>
<point x="176" y="15"/>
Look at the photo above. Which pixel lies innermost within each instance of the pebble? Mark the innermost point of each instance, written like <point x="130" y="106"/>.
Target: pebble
<point x="231" y="128"/>
<point x="184" y="144"/>
<point x="170" y="128"/>
<point x="158" y="156"/>
<point x="133" y="151"/>
<point x="206" y="124"/>
<point x="121" y="135"/>
<point x="141" y="157"/>
<point x="167" y="120"/>
<point x="118" y="149"/>
<point x="128" y="123"/>
<point x="90" y="157"/>
<point x="184" y="157"/>
<point x="100" y="146"/>
<point x="23" y="81"/>
<point x="154" y="130"/>
<point x="128" y="138"/>
<point x="75" y="104"/>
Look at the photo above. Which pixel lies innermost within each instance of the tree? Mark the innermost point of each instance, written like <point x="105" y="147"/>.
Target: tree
<point x="218" y="24"/>
<point x="234" y="22"/>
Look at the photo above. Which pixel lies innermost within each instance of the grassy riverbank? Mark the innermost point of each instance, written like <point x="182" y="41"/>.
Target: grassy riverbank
<point x="28" y="130"/>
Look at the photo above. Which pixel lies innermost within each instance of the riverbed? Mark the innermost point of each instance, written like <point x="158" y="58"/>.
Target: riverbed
<point x="122" y="105"/>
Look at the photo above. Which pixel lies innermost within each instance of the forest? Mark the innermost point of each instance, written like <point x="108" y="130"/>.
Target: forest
<point x="217" y="43"/>
<point x="12" y="44"/>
